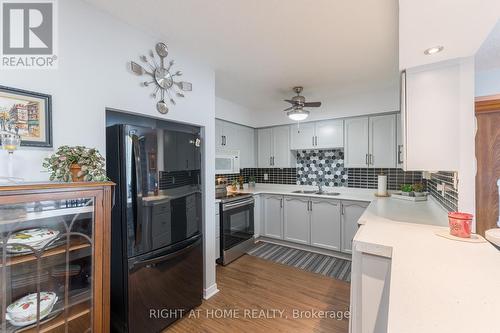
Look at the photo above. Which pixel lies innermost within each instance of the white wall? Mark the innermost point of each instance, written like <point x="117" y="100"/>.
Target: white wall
<point x="233" y="112"/>
<point x="94" y="49"/>
<point x="488" y="82"/>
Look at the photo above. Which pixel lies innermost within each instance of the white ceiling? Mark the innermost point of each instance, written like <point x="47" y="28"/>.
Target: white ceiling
<point x="488" y="56"/>
<point x="261" y="49"/>
<point x="461" y="26"/>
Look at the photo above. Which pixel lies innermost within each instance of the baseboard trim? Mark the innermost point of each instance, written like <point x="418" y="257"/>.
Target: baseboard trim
<point x="305" y="248"/>
<point x="210" y="291"/>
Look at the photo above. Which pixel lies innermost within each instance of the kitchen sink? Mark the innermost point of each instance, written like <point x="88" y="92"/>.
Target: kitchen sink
<point x="332" y="194"/>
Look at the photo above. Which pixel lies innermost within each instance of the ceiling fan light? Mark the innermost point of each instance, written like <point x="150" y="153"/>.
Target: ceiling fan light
<point x="297" y="115"/>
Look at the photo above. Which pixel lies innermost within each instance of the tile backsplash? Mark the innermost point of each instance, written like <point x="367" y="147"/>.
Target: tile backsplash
<point x="368" y="178"/>
<point x="450" y="198"/>
<point x="321" y="166"/>
<point x="327" y="166"/>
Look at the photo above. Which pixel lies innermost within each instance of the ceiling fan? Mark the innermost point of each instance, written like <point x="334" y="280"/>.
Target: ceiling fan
<point x="296" y="111"/>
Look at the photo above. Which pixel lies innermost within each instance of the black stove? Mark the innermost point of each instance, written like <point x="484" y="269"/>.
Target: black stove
<point x="233" y="196"/>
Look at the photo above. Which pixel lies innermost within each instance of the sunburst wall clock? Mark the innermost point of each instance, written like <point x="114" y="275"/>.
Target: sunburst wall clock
<point x="162" y="77"/>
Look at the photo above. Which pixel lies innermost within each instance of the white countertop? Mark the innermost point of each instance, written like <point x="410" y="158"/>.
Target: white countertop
<point x="437" y="285"/>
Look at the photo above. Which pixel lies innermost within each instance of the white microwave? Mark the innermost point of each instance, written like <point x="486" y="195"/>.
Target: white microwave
<point x="227" y="161"/>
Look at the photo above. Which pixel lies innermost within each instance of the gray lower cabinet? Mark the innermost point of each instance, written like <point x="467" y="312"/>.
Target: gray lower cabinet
<point x="325" y="224"/>
<point x="351" y="212"/>
<point x="217" y="231"/>
<point x="272" y="206"/>
<point x="297" y="220"/>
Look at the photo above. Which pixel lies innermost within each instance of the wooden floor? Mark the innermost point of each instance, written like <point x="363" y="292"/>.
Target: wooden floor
<point x="251" y="283"/>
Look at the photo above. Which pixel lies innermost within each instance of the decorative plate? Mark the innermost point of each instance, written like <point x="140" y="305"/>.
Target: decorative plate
<point x="36" y="238"/>
<point x="30" y="236"/>
<point x="23" y="311"/>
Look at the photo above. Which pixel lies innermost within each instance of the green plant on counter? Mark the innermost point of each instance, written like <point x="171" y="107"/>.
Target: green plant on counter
<point x="418" y="187"/>
<point x="252" y="179"/>
<point x="234" y="184"/>
<point x="406" y="188"/>
<point x="90" y="161"/>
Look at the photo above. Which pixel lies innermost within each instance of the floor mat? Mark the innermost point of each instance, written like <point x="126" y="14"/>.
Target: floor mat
<point x="312" y="262"/>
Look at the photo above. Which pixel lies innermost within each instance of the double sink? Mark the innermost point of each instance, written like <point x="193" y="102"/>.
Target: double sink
<point x="332" y="194"/>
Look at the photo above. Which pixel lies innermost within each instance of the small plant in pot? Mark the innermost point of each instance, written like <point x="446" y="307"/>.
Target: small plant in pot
<point x="77" y="163"/>
<point x="418" y="189"/>
<point x="406" y="189"/>
<point x="251" y="181"/>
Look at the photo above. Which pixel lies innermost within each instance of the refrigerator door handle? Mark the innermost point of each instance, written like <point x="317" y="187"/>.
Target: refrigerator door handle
<point x="137" y="196"/>
<point x="141" y="263"/>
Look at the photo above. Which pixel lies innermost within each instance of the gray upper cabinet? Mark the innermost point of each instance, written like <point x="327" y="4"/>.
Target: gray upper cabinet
<point x="351" y="212"/>
<point x="297" y="219"/>
<point x="382" y="141"/>
<point x="264" y="147"/>
<point x="272" y="216"/>
<point x="274" y="147"/>
<point x="230" y="136"/>
<point x="325" y="134"/>
<point x="370" y="142"/>
<point x="219" y="134"/>
<point x="302" y="136"/>
<point x="356" y="142"/>
<point x="329" y="134"/>
<point x="325" y="224"/>
<point x="399" y="142"/>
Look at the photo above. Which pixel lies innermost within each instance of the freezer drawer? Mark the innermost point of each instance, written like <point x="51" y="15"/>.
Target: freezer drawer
<point x="162" y="286"/>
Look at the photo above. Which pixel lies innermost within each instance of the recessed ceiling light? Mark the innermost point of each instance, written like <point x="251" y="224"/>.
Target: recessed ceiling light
<point x="433" y="50"/>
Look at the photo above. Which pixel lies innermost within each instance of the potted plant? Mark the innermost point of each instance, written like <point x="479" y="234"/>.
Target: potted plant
<point x="406" y="189"/>
<point x="234" y="185"/>
<point x="251" y="181"/>
<point x="77" y="163"/>
<point x="418" y="189"/>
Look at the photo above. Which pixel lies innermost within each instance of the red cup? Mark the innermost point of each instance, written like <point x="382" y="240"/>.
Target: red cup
<point x="460" y="224"/>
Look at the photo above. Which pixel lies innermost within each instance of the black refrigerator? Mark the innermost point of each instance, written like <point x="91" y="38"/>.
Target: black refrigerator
<point x="156" y="233"/>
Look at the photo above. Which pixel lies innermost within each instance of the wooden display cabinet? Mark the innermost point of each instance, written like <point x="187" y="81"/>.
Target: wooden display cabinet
<point x="73" y="262"/>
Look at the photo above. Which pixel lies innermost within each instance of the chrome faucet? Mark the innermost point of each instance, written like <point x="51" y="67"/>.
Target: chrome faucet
<point x="320" y="188"/>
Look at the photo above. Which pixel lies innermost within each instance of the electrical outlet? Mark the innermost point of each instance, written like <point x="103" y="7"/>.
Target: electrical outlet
<point x="266" y="176"/>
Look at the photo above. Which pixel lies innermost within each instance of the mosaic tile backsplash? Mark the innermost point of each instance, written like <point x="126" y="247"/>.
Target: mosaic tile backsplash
<point x="321" y="166"/>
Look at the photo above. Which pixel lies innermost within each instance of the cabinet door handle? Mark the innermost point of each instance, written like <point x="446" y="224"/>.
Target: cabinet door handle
<point x="311" y="205"/>
<point x="366" y="160"/>
<point x="281" y="203"/>
<point x="270" y="160"/>
<point x="400" y="154"/>
<point x="313" y="140"/>
<point x="316" y="141"/>
<point x="371" y="159"/>
<point x="223" y="140"/>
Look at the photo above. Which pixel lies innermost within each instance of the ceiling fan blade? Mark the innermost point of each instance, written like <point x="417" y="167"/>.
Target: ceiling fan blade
<point x="289" y="101"/>
<point x="312" y="104"/>
<point x="288" y="109"/>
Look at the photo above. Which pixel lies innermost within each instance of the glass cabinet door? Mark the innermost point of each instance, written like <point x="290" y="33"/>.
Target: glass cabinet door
<point x="46" y="265"/>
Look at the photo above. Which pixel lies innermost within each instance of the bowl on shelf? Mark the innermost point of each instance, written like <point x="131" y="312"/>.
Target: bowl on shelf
<point x="36" y="238"/>
<point x="23" y="311"/>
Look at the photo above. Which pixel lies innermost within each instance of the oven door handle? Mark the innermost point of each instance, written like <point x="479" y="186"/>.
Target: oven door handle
<point x="232" y="205"/>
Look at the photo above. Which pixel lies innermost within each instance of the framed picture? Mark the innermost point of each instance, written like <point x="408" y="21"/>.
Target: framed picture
<point x="29" y="114"/>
